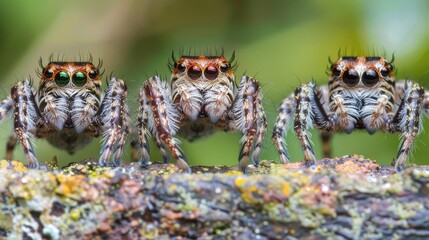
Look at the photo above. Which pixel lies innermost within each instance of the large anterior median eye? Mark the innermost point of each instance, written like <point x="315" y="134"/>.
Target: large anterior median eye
<point x="370" y="78"/>
<point x="62" y="79"/>
<point x="194" y="72"/>
<point x="351" y="77"/>
<point x="211" y="72"/>
<point x="79" y="79"/>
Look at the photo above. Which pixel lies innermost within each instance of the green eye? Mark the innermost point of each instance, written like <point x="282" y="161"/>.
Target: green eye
<point x="79" y="79"/>
<point x="62" y="79"/>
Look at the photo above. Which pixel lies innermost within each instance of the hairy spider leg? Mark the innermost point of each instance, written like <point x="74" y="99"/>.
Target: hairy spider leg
<point x="113" y="118"/>
<point x="162" y="119"/>
<point x="262" y="122"/>
<point x="408" y="120"/>
<point x="247" y="111"/>
<point x="6" y="106"/>
<point x="25" y="114"/>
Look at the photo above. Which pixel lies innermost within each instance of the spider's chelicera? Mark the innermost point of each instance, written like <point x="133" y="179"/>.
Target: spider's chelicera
<point x="68" y="110"/>
<point x="201" y="97"/>
<point x="361" y="94"/>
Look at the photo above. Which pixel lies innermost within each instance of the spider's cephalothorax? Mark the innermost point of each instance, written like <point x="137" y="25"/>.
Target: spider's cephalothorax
<point x="68" y="110"/>
<point x="361" y="94"/>
<point x="201" y="98"/>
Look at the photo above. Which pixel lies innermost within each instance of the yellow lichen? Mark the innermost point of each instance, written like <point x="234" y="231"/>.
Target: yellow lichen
<point x="239" y="182"/>
<point x="233" y="173"/>
<point x="248" y="194"/>
<point x="12" y="165"/>
<point x="75" y="214"/>
<point x="69" y="184"/>
<point x="286" y="188"/>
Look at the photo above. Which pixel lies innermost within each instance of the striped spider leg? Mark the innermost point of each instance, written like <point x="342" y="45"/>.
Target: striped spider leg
<point x="68" y="111"/>
<point x="201" y="98"/>
<point x="361" y="94"/>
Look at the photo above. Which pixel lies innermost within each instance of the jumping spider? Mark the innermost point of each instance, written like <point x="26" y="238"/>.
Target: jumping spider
<point x="201" y="97"/>
<point x="361" y="94"/>
<point x="68" y="110"/>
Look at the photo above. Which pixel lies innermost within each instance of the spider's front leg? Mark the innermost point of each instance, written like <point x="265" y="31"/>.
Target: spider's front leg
<point x="408" y="120"/>
<point x="25" y="115"/>
<point x="282" y="124"/>
<point x="305" y="109"/>
<point x="159" y="117"/>
<point x="114" y="120"/>
<point x="426" y="103"/>
<point x="250" y="119"/>
<point x="6" y="106"/>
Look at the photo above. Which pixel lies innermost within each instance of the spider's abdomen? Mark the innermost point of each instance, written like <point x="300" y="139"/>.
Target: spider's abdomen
<point x="68" y="140"/>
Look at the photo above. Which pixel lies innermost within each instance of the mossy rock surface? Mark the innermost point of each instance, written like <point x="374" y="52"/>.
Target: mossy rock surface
<point x="343" y="198"/>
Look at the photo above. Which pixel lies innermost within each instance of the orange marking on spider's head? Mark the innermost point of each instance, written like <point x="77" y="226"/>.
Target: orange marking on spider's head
<point x="369" y="70"/>
<point x="204" y="68"/>
<point x="70" y="73"/>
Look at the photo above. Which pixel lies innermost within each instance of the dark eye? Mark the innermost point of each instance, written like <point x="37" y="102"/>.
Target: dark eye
<point x="211" y="72"/>
<point x="62" y="79"/>
<point x="351" y="77"/>
<point x="181" y="67"/>
<point x="93" y="74"/>
<point x="224" y="68"/>
<point x="194" y="72"/>
<point x="79" y="79"/>
<point x="385" y="72"/>
<point x="48" y="73"/>
<point x="370" y="78"/>
<point x="335" y="70"/>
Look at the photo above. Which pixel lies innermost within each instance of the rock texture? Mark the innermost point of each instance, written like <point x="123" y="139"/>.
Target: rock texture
<point x="343" y="198"/>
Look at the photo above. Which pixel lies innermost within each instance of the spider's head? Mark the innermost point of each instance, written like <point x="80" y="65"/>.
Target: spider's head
<point x="202" y="68"/>
<point x="70" y="74"/>
<point x="361" y="72"/>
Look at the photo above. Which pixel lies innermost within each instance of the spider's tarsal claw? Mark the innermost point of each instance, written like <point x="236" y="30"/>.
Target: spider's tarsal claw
<point x="144" y="163"/>
<point x="117" y="162"/>
<point x="399" y="167"/>
<point x="165" y="159"/>
<point x="256" y="161"/>
<point x="102" y="163"/>
<point x="311" y="164"/>
<point x="244" y="163"/>
<point x="33" y="164"/>
<point x="183" y="165"/>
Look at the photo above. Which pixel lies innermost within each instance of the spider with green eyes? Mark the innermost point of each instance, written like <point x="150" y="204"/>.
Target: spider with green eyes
<point x="68" y="111"/>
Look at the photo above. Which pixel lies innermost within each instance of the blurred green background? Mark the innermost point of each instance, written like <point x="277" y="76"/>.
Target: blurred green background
<point x="282" y="43"/>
